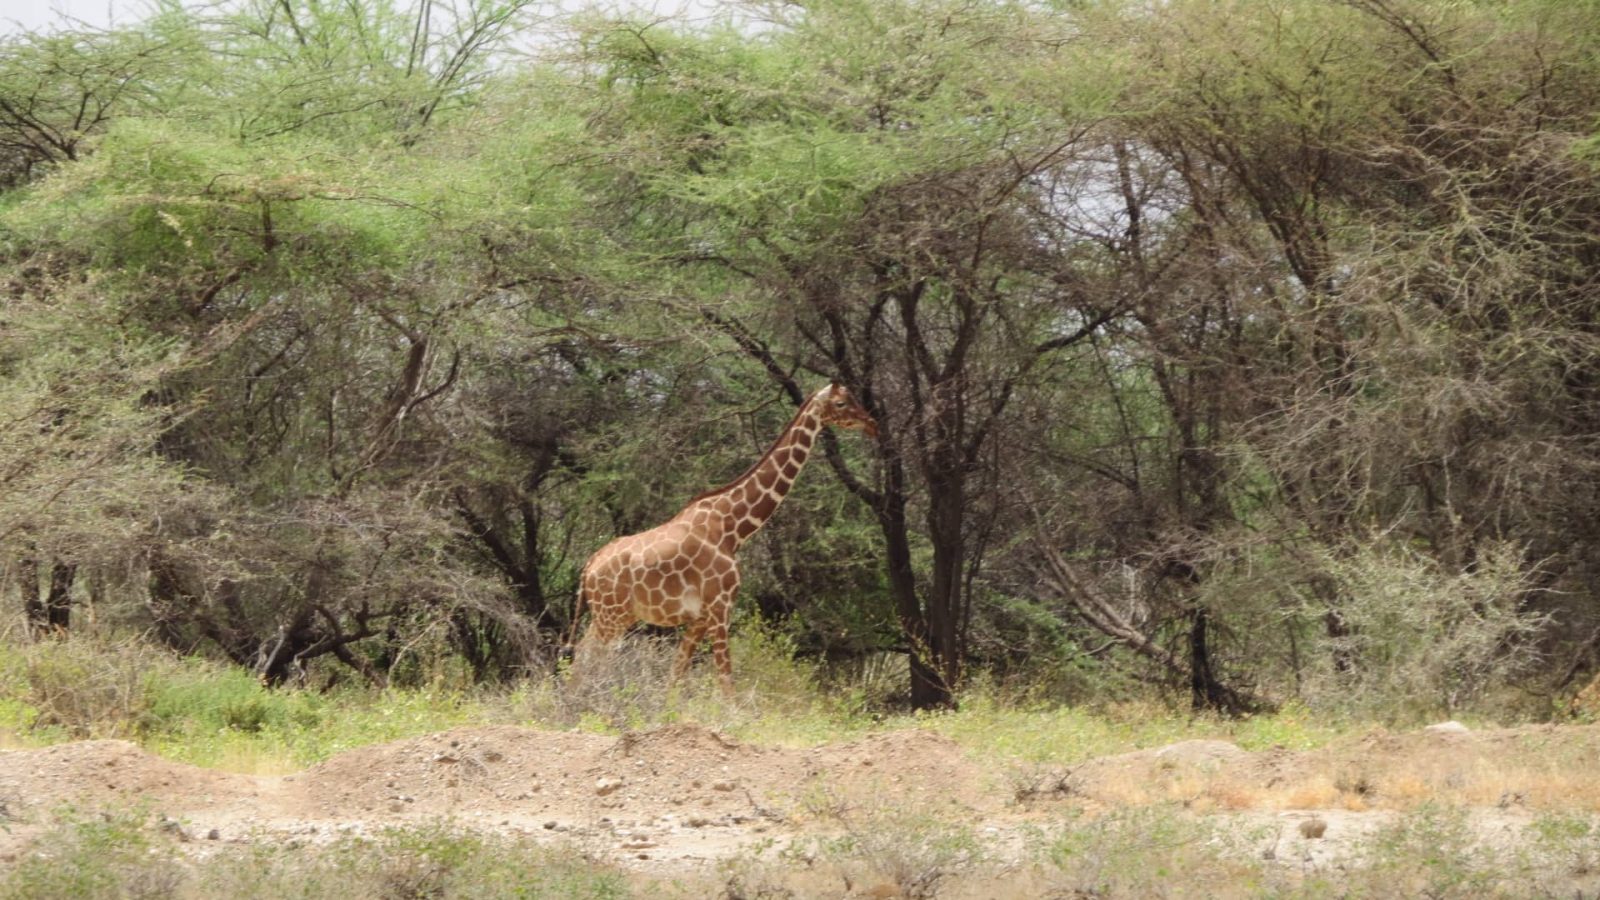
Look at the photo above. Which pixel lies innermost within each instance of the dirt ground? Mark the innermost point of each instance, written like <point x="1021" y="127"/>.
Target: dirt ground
<point x="682" y="797"/>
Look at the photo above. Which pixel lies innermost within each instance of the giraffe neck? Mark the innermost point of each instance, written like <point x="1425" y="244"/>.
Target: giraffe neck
<point x="747" y="503"/>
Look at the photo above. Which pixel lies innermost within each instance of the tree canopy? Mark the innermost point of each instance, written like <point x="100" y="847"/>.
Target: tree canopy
<point x="1247" y="349"/>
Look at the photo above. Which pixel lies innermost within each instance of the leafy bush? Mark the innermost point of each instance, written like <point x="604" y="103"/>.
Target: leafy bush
<point x="201" y="694"/>
<point x="1420" y="639"/>
<point x="87" y="687"/>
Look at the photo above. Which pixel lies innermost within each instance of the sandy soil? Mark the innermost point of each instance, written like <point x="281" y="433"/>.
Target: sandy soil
<point x="683" y="796"/>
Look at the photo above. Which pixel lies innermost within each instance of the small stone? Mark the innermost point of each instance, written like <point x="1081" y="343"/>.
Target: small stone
<point x="550" y="825"/>
<point x="1313" y="829"/>
<point x="604" y="786"/>
<point x="214" y="835"/>
<point x="722" y="786"/>
<point x="697" y="821"/>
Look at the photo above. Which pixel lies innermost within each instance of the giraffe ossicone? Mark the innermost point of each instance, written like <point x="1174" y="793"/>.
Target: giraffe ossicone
<point x="686" y="571"/>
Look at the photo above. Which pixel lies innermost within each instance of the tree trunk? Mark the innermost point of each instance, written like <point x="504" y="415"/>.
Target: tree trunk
<point x="946" y="508"/>
<point x="28" y="587"/>
<point x="1206" y="692"/>
<point x="58" y="603"/>
<point x="49" y="612"/>
<point x="929" y="688"/>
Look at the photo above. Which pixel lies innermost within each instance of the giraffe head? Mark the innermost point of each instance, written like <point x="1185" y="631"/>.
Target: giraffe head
<point x="841" y="409"/>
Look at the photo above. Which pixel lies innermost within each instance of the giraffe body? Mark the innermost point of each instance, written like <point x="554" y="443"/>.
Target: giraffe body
<point x="686" y="571"/>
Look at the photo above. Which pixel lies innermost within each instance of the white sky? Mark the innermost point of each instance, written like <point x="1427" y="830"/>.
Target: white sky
<point x="30" y="15"/>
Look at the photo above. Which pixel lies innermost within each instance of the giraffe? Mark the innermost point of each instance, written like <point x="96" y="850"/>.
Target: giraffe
<point x="685" y="572"/>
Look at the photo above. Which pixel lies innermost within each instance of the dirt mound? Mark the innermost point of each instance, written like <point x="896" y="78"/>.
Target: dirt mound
<point x="461" y="770"/>
<point x="1543" y="767"/>
<point x="688" y="770"/>
<point x="110" y="773"/>
<point x="906" y="769"/>
<point x="688" y="794"/>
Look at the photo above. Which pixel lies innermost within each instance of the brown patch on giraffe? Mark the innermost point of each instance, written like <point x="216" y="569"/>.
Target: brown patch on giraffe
<point x="762" y="510"/>
<point x="703" y="556"/>
<point x="672" y="585"/>
<point x="766" y="477"/>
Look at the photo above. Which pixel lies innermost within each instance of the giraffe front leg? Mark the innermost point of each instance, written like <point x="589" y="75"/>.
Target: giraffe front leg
<point x="691" y="639"/>
<point x="719" y="652"/>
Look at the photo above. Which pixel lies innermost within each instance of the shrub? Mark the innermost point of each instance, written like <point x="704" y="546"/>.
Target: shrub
<point x="1422" y="640"/>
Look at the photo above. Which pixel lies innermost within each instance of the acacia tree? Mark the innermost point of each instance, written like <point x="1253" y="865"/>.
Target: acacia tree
<point x="309" y="319"/>
<point x="1338" y="361"/>
<point x="914" y="266"/>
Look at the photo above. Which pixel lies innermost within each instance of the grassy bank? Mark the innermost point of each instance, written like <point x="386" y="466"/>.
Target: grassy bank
<point x="200" y="712"/>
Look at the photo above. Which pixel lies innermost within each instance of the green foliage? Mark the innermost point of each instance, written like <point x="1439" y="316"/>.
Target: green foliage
<point x="1433" y="850"/>
<point x="131" y="854"/>
<point x="1429" y="641"/>
<point x="199" y="696"/>
<point x="1128" y="853"/>
<point x="117" y="854"/>
<point x="345" y="330"/>
<point x="912" y="852"/>
<point x="431" y="861"/>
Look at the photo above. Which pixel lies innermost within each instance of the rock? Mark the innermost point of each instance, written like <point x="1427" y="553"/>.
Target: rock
<point x="1199" y="752"/>
<point x="604" y="786"/>
<point x="722" y="786"/>
<point x="550" y="825"/>
<point x="1450" y="727"/>
<point x="697" y="821"/>
<point x="1313" y="829"/>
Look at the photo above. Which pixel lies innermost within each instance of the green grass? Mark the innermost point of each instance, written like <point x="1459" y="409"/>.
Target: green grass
<point x="219" y="716"/>
<point x="130" y="855"/>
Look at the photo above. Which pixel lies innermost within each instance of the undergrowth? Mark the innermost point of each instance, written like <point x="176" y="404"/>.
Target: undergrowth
<point x="210" y="714"/>
<point x="134" y="855"/>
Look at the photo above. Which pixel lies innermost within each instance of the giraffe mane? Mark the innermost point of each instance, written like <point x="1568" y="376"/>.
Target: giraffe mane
<point x="757" y="464"/>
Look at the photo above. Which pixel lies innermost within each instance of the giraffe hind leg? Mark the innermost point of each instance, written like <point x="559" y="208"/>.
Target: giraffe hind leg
<point x="592" y="652"/>
<point x="691" y="639"/>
